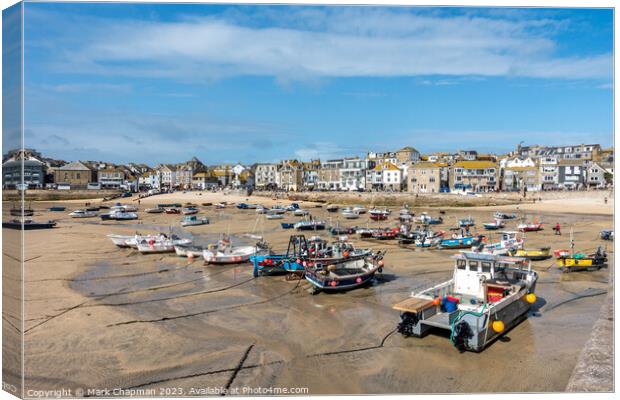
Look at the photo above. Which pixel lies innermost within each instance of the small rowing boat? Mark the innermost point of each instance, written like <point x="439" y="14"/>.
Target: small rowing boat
<point x="332" y="208"/>
<point x="350" y="213"/>
<point x="189" y="210"/>
<point x="530" y="227"/>
<point x="541" y="253"/>
<point x="155" y="210"/>
<point x="379" y="215"/>
<point x="312" y="225"/>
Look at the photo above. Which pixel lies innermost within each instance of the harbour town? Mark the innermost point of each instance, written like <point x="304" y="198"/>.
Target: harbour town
<point x="251" y="263"/>
<point x="215" y="199"/>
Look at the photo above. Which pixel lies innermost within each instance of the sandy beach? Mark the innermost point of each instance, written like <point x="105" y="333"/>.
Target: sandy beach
<point x="116" y="319"/>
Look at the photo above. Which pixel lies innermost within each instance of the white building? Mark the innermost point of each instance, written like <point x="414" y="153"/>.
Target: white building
<point x="167" y="175"/>
<point x="353" y="174"/>
<point x="266" y="175"/>
<point x="549" y="174"/>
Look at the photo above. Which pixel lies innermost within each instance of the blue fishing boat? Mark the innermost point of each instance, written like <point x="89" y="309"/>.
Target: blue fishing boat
<point x="286" y="225"/>
<point x="57" y="208"/>
<point x="302" y="253"/>
<point x="460" y="242"/>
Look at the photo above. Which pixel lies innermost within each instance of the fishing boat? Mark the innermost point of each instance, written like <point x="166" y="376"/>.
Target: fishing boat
<point x="300" y="213"/>
<point x="346" y="275"/>
<point x="225" y="253"/>
<point x="189" y="210"/>
<point x="378" y="214"/>
<point x="117" y="215"/>
<point x="159" y="245"/>
<point x="244" y="206"/>
<point x="312" y="225"/>
<point x="292" y="207"/>
<point x="428" y="238"/>
<point x="277" y="210"/>
<point x="271" y="215"/>
<point x="366" y="232"/>
<point x="359" y="209"/>
<point x="541" y="253"/>
<point x="27" y="224"/>
<point x="385" y="234"/>
<point x="350" y="213"/>
<point x="495" y="225"/>
<point x="530" y="226"/>
<point x="508" y="241"/>
<point x="192" y="220"/>
<point x="172" y="210"/>
<point x="407" y="235"/>
<point x="188" y="250"/>
<point x="607" y="234"/>
<point x="466" y="222"/>
<point x="339" y="230"/>
<point x="332" y="208"/>
<point x="21" y="211"/>
<point x="569" y="261"/>
<point x="501" y="215"/>
<point x="155" y="210"/>
<point x="220" y="205"/>
<point x="424" y="218"/>
<point x="170" y="205"/>
<point x="302" y="252"/>
<point x="485" y="298"/>
<point x="82" y="214"/>
<point x="57" y="208"/>
<point x="460" y="242"/>
<point x="261" y="209"/>
<point x="125" y="241"/>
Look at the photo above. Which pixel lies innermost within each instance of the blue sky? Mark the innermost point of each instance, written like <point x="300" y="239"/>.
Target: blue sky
<point x="161" y="83"/>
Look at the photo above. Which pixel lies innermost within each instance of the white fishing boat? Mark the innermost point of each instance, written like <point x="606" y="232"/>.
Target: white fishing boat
<point x="131" y="240"/>
<point x="220" y="205"/>
<point x="83" y="214"/>
<point x="271" y="215"/>
<point x="189" y="210"/>
<point x="277" y="210"/>
<point x="260" y="209"/>
<point x="118" y="215"/>
<point x="300" y="213"/>
<point x="508" y="242"/>
<point x="188" y="250"/>
<point x="485" y="298"/>
<point x="360" y="209"/>
<point x="160" y="246"/>
<point x="350" y="213"/>
<point x="124" y="207"/>
<point x="192" y="220"/>
<point x="225" y="253"/>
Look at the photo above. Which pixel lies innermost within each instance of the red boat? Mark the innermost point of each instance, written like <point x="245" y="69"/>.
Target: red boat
<point x="385" y="234"/>
<point x="530" y="227"/>
<point x="173" y="211"/>
<point x="379" y="215"/>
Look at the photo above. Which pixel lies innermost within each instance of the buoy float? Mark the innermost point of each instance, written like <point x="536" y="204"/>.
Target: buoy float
<point x="381" y="263"/>
<point x="498" y="326"/>
<point x="333" y="283"/>
<point x="190" y="255"/>
<point x="358" y="279"/>
<point x="530" y="298"/>
<point x="437" y="301"/>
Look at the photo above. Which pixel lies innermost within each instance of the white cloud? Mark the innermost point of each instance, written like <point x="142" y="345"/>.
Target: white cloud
<point x="335" y="42"/>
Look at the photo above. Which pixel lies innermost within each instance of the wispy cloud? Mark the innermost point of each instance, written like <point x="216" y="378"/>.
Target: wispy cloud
<point x="322" y="43"/>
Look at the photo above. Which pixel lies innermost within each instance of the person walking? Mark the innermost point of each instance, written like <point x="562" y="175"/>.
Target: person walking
<point x="557" y="229"/>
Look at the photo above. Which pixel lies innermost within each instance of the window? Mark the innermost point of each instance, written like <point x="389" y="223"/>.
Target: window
<point x="486" y="266"/>
<point x="473" y="265"/>
<point x="460" y="264"/>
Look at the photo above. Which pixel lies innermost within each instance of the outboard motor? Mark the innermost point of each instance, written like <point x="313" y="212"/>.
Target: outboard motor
<point x="461" y="335"/>
<point x="407" y="322"/>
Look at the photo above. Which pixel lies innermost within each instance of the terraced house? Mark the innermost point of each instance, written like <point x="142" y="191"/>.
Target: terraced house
<point x="291" y="175"/>
<point x="474" y="176"/>
<point x="427" y="177"/>
<point x="265" y="175"/>
<point x="329" y="174"/>
<point x="111" y="177"/>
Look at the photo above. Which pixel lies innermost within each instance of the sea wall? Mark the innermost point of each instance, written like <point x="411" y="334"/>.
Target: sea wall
<point x="54" y="195"/>
<point x="594" y="371"/>
<point x="433" y="200"/>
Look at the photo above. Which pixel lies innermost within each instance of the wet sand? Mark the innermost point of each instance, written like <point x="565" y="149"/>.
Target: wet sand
<point x="113" y="318"/>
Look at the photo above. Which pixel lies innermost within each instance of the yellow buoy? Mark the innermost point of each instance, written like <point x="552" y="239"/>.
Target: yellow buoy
<point x="498" y="326"/>
<point x="530" y="298"/>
